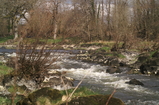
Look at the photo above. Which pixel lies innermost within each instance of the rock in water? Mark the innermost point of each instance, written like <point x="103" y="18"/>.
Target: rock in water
<point x="135" y="82"/>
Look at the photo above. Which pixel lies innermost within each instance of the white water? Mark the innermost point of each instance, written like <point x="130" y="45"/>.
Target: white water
<point x="104" y="83"/>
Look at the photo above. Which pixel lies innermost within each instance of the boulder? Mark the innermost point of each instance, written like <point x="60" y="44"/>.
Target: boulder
<point x="144" y="68"/>
<point x="143" y="57"/>
<point x="150" y="67"/>
<point x="32" y="99"/>
<point x="110" y="61"/>
<point x="95" y="100"/>
<point x="147" y="64"/>
<point x="113" y="69"/>
<point x="122" y="64"/>
<point x="157" y="72"/>
<point x="135" y="82"/>
<point x="133" y="71"/>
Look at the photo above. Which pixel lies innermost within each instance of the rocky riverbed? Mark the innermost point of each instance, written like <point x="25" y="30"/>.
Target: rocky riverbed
<point x="136" y="62"/>
<point x="132" y="63"/>
<point x="53" y="79"/>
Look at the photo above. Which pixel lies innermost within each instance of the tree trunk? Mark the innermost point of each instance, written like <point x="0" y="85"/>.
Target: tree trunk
<point x="55" y="30"/>
<point x="15" y="30"/>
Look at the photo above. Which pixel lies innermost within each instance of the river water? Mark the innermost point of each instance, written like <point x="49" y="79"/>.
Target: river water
<point x="98" y="80"/>
<point x="95" y="78"/>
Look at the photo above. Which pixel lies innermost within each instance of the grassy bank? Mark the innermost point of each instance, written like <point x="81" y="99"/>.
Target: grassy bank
<point x="4" y="39"/>
<point x="4" y="69"/>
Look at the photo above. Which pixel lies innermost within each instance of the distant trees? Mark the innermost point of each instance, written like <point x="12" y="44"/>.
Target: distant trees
<point x="87" y="20"/>
<point x="12" y="11"/>
<point x="120" y="21"/>
<point x="146" y="13"/>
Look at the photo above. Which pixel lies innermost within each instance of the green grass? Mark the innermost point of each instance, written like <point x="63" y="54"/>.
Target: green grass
<point x="54" y="40"/>
<point x="7" y="101"/>
<point x="121" y="56"/>
<point x="49" y="41"/>
<point x="82" y="91"/>
<point x="107" y="49"/>
<point x="4" y="39"/>
<point x="4" y="69"/>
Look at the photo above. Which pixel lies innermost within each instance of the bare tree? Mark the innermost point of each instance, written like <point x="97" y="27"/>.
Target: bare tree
<point x="120" y="21"/>
<point x="145" y="18"/>
<point x="14" y="10"/>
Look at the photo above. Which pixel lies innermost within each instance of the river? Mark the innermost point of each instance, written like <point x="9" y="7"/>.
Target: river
<point x="98" y="80"/>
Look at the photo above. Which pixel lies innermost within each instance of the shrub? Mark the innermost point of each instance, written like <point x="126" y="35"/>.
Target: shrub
<point x="32" y="61"/>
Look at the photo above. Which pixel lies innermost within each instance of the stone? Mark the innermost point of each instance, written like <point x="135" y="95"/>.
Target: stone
<point x="142" y="58"/>
<point x="57" y="80"/>
<point x="31" y="99"/>
<point x="135" y="82"/>
<point x="149" y="67"/>
<point x="112" y="61"/>
<point x="122" y="64"/>
<point x="133" y="71"/>
<point x="144" y="68"/>
<point x="113" y="69"/>
<point x="95" y="100"/>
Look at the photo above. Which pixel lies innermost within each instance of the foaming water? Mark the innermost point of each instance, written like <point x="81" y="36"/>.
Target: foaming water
<point x="104" y="83"/>
<point x="98" y="80"/>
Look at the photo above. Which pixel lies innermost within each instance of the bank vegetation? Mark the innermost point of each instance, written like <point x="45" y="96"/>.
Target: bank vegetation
<point x="129" y="24"/>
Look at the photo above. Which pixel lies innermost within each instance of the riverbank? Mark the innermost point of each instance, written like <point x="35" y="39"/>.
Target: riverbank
<point x="23" y="90"/>
<point x="98" y="79"/>
<point x="111" y="64"/>
<point x="101" y="54"/>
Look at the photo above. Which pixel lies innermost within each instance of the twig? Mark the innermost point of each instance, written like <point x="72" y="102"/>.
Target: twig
<point x="69" y="96"/>
<point x="77" y="86"/>
<point x="65" y="90"/>
<point x="111" y="95"/>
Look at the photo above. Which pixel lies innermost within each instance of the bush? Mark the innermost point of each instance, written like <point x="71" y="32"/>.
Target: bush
<point x="33" y="62"/>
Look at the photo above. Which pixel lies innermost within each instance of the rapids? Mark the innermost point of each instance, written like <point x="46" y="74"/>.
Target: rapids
<point x="94" y="77"/>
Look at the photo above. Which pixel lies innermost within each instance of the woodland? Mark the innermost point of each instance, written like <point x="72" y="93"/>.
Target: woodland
<point x="127" y="23"/>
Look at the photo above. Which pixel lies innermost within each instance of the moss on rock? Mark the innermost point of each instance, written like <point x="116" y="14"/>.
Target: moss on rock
<point x="51" y="94"/>
<point x="48" y="96"/>
<point x="95" y="100"/>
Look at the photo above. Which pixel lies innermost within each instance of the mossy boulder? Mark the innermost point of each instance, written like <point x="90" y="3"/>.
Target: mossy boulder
<point x="51" y="94"/>
<point x="95" y="100"/>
